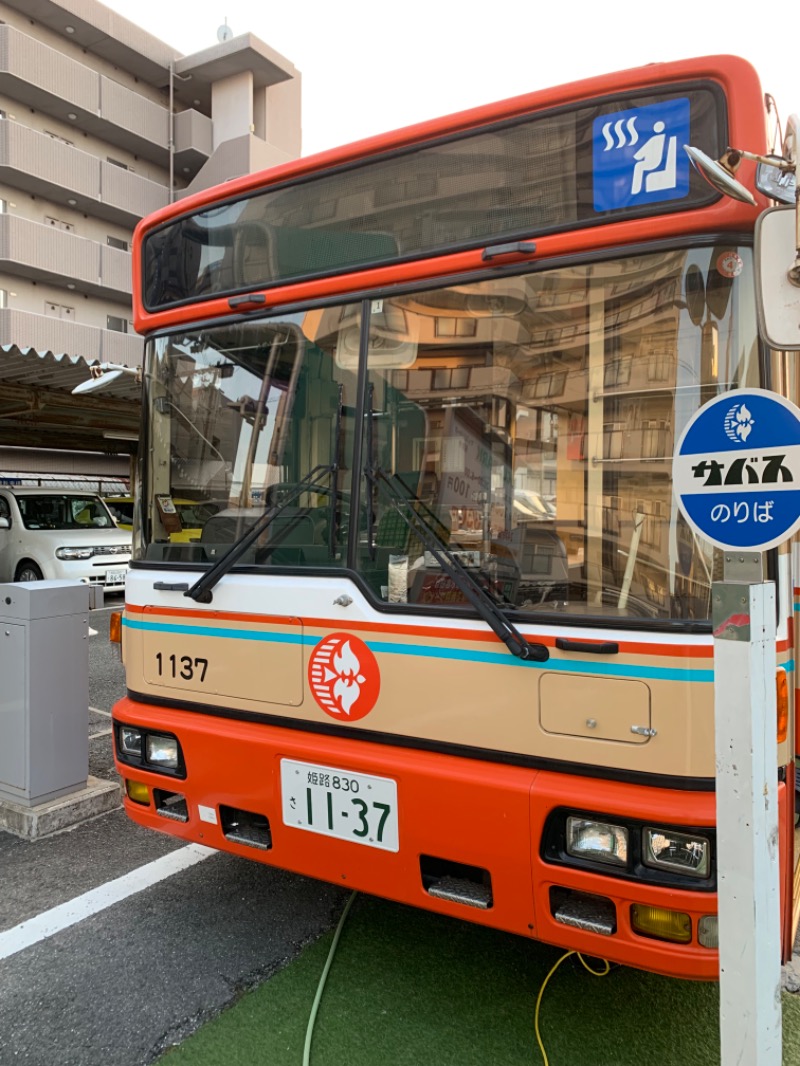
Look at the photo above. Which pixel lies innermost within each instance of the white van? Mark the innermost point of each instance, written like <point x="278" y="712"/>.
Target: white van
<point x="55" y="533"/>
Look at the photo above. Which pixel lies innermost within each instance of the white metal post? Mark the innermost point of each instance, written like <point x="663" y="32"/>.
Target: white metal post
<point x="747" y="823"/>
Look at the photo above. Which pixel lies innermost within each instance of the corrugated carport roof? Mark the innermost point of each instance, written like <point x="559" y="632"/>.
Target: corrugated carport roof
<point x="38" y="410"/>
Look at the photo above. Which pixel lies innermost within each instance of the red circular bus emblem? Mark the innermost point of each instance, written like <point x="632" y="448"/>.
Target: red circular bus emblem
<point x="344" y="677"/>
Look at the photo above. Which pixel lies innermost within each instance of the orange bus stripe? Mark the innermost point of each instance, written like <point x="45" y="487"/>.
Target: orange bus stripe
<point x="701" y="651"/>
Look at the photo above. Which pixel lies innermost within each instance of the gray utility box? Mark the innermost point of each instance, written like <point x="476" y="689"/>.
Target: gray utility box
<point x="44" y="690"/>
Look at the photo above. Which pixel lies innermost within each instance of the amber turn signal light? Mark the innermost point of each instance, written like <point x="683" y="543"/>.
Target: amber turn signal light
<point x="782" y="694"/>
<point x="138" y="792"/>
<point x="115" y="627"/>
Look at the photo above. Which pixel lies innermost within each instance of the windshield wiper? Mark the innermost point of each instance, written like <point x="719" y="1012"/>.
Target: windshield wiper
<point x="406" y="507"/>
<point x="200" y="591"/>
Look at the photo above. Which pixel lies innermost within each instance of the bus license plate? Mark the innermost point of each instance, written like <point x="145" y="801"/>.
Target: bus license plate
<point x="339" y="803"/>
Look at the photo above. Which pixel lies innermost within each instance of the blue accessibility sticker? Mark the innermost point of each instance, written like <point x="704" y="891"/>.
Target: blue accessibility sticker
<point x="638" y="156"/>
<point x="736" y="470"/>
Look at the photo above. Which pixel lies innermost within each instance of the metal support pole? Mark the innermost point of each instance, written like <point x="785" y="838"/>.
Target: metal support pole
<point x="747" y="820"/>
<point x="171" y="132"/>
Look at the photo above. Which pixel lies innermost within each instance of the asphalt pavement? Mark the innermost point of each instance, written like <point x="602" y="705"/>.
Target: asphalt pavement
<point x="121" y="981"/>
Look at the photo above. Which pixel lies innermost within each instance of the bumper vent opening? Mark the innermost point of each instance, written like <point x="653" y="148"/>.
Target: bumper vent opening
<point x="593" y="914"/>
<point x="246" y="827"/>
<point x="171" y="805"/>
<point x="444" y="879"/>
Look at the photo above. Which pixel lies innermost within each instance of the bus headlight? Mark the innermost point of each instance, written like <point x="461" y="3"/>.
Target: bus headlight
<point x="664" y="849"/>
<point x="598" y="841"/>
<point x="130" y="740"/>
<point x="161" y="751"/>
<point x="158" y="752"/>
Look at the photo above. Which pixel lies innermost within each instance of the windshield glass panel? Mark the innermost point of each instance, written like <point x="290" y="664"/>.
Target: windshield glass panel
<point x="61" y="511"/>
<point x="244" y="418"/>
<point x="524" y="425"/>
<point x="531" y="423"/>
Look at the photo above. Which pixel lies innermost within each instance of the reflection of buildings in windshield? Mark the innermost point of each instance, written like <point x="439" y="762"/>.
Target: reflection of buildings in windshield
<point x="550" y="402"/>
<point x="540" y="395"/>
<point x="203" y="431"/>
<point x="531" y="507"/>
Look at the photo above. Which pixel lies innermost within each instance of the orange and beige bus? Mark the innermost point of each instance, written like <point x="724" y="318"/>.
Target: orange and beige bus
<point x="444" y="636"/>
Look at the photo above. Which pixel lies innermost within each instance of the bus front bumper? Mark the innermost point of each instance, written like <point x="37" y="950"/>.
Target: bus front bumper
<point x="459" y="836"/>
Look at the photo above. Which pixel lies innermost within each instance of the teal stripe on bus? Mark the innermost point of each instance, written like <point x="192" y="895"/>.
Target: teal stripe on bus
<point x="215" y="631"/>
<point x="579" y="666"/>
<point x="570" y="666"/>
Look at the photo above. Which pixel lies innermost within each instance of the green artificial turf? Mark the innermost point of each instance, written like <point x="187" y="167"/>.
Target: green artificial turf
<point x="407" y="987"/>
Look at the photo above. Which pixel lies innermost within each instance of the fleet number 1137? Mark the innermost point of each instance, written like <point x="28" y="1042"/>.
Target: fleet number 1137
<point x="185" y="666"/>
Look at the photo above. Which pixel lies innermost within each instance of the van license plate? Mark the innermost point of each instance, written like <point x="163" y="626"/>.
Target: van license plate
<point x="340" y="803"/>
<point x="115" y="577"/>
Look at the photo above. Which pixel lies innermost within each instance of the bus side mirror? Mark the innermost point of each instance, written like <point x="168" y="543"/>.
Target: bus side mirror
<point x="777" y="296"/>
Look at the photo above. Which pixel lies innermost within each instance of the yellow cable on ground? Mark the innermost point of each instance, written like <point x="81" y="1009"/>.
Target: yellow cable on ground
<point x="323" y="979"/>
<point x="586" y="966"/>
<point x="332" y="952"/>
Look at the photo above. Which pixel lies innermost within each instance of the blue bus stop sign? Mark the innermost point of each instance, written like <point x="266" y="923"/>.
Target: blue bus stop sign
<point x="736" y="470"/>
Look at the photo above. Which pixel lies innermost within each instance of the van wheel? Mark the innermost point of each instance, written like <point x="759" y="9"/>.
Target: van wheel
<point x="28" y="572"/>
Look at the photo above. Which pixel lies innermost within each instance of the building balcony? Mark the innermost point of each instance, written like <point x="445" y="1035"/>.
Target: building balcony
<point x="58" y="85"/>
<point x="64" y="337"/>
<point x="193" y="142"/>
<point x="122" y="191"/>
<point x="38" y="164"/>
<point x="43" y="253"/>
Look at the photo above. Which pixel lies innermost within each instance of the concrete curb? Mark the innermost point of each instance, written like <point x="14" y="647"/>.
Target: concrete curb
<point x="32" y="823"/>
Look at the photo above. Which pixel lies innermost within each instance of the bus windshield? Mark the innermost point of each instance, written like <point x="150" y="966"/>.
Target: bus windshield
<point x="528" y="421"/>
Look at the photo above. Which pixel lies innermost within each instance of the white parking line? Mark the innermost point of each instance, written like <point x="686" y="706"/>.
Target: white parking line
<point x="47" y="924"/>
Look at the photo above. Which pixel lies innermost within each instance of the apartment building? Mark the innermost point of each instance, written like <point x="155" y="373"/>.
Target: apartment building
<point x="100" y="124"/>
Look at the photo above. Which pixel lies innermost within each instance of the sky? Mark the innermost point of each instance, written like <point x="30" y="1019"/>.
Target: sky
<point x="371" y="67"/>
